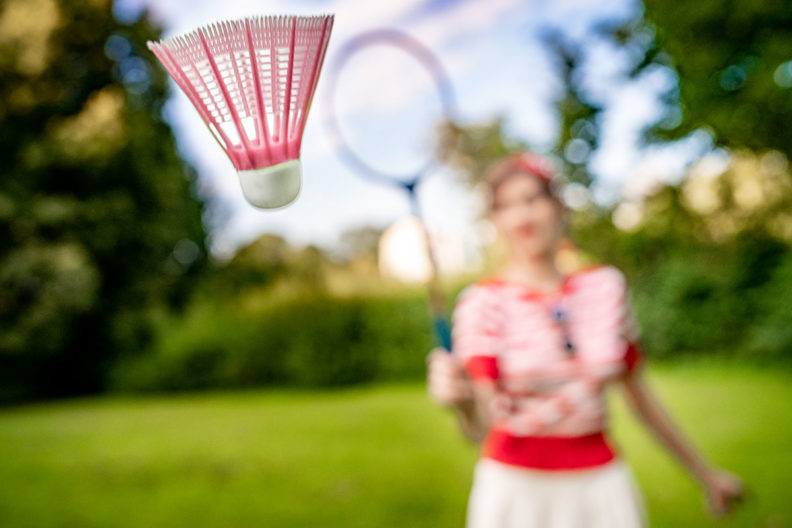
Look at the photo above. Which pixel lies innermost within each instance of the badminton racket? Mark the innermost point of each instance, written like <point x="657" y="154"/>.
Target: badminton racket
<point x="389" y="70"/>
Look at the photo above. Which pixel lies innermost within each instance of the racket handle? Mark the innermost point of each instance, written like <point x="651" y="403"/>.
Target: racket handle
<point x="442" y="332"/>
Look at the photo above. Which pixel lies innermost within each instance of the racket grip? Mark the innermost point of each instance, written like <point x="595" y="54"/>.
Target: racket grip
<point x="442" y="332"/>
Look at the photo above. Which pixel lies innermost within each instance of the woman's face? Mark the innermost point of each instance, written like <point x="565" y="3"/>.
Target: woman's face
<point x="527" y="217"/>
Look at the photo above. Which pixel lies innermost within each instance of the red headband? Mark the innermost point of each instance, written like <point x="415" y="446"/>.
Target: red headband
<point x="521" y="162"/>
<point x="535" y="164"/>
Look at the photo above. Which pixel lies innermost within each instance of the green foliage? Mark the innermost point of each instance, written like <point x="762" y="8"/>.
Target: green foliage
<point x="470" y="149"/>
<point x="694" y="295"/>
<point x="102" y="245"/>
<point x="309" y="340"/>
<point x="578" y="116"/>
<point x="264" y="261"/>
<point x="360" y="243"/>
<point x="707" y="276"/>
<point x="732" y="59"/>
<point x="771" y="338"/>
<point x="691" y="300"/>
<point x="98" y="224"/>
<point x="685" y="308"/>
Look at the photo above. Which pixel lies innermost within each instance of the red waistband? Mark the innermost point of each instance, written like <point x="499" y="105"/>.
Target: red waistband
<point x="548" y="452"/>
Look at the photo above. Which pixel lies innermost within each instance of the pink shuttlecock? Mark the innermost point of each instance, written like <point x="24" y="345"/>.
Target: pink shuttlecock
<point x="252" y="81"/>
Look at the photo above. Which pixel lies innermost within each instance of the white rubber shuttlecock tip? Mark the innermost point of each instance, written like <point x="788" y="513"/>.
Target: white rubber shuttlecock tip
<point x="272" y="187"/>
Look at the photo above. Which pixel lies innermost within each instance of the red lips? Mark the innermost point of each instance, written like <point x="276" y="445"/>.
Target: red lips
<point x="526" y="230"/>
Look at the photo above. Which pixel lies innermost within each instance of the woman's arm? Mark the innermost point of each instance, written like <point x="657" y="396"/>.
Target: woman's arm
<point x="722" y="488"/>
<point x="475" y="416"/>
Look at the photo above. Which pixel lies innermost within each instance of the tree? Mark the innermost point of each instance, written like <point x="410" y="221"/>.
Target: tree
<point x="733" y="61"/>
<point x="709" y="260"/>
<point x="360" y="242"/>
<point x="579" y="129"/>
<point x="99" y="225"/>
<point x="470" y="149"/>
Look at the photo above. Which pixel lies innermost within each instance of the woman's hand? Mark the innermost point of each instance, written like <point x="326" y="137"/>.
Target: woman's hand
<point x="449" y="385"/>
<point x="447" y="380"/>
<point x="723" y="490"/>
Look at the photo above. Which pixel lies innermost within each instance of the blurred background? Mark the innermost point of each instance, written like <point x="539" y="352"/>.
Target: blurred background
<point x="171" y="356"/>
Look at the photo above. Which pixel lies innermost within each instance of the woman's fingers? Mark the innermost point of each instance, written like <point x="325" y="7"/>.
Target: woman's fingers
<point x="448" y="383"/>
<point x="723" y="491"/>
<point x="450" y="393"/>
<point x="441" y="363"/>
<point x="439" y="355"/>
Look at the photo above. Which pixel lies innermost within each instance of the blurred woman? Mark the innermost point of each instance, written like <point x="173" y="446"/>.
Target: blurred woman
<point x="533" y="352"/>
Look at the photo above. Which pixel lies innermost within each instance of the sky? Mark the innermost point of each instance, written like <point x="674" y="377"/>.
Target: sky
<point x="497" y="66"/>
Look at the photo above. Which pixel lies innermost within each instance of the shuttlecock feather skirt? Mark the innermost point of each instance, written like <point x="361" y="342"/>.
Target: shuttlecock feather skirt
<point x="252" y="81"/>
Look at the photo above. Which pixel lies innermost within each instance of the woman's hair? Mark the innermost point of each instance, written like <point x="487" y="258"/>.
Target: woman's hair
<point x="520" y="163"/>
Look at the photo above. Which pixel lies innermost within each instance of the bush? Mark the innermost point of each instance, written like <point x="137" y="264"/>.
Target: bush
<point x="770" y="339"/>
<point x="684" y="309"/>
<point x="718" y="300"/>
<point x="314" y="340"/>
<point x="709" y="301"/>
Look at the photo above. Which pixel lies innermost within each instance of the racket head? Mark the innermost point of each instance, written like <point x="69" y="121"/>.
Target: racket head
<point x="428" y="61"/>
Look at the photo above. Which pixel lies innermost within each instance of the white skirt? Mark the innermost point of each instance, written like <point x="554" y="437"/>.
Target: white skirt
<point x="505" y="496"/>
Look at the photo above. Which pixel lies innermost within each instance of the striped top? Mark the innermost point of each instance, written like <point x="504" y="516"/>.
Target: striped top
<point x="550" y="357"/>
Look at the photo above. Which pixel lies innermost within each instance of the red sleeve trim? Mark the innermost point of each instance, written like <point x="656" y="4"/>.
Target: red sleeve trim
<point x="633" y="356"/>
<point x="492" y="282"/>
<point x="482" y="368"/>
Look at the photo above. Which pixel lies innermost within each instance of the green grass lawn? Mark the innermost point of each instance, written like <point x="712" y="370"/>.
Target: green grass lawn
<point x="380" y="456"/>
